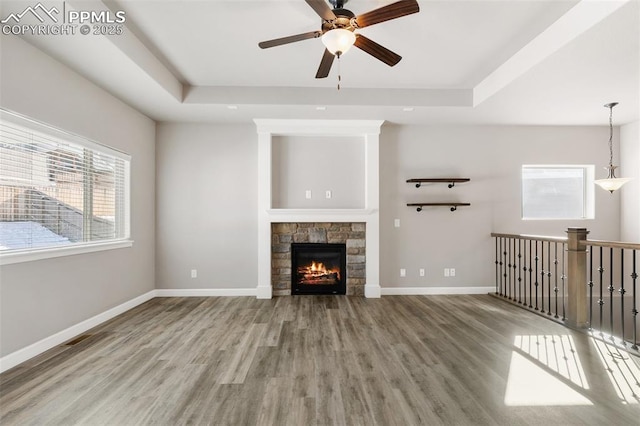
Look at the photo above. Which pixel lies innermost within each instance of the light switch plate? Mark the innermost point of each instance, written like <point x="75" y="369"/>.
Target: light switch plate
<point x="307" y="194"/>
<point x="422" y="272"/>
<point x="396" y="223"/>
<point x="403" y="272"/>
<point x="327" y="194"/>
<point x="446" y="272"/>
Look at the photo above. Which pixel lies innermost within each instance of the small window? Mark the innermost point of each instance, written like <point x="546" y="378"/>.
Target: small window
<point x="557" y="192"/>
<point x="58" y="189"/>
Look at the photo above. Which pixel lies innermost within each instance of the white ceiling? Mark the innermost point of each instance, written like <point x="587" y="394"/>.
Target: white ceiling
<point x="519" y="62"/>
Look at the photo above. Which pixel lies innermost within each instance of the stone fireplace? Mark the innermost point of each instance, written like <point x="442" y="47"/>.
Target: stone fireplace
<point x="351" y="234"/>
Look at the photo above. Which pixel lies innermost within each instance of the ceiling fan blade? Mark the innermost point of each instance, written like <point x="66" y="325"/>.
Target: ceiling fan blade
<point x="322" y="8"/>
<point x="289" y="39"/>
<point x="374" y="49"/>
<point x="325" y="64"/>
<point x="386" y="13"/>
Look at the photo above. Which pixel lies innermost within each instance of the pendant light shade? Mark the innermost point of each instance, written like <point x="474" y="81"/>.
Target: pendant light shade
<point x="611" y="182"/>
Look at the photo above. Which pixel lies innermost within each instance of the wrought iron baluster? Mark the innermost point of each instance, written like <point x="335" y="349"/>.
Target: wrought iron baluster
<point x="542" y="275"/>
<point x="564" y="277"/>
<point x="610" y="288"/>
<point x="601" y="300"/>
<point x="496" y="262"/>
<point x="530" y="273"/>
<point x="634" y="311"/>
<point x="500" y="272"/>
<point x="622" y="292"/>
<point x="555" y="287"/>
<point x="549" y="277"/>
<point x="504" y="270"/>
<point x="514" y="267"/>
<point x="509" y="269"/>
<point x="524" y="272"/>
<point x="590" y="287"/>
<point x="519" y="272"/>
<point x="536" y="283"/>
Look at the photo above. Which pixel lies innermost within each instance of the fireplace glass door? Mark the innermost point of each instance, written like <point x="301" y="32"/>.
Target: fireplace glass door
<point x="318" y="268"/>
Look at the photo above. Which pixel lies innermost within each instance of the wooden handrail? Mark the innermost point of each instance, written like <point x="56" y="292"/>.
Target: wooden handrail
<point x="613" y="244"/>
<point x="595" y="243"/>
<point x="530" y="237"/>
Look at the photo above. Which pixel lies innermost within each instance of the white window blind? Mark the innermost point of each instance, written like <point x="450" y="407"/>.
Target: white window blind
<point x="557" y="192"/>
<point x="58" y="189"/>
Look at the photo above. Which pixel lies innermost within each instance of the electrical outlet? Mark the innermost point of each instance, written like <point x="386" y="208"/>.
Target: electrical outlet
<point x="396" y="223"/>
<point x="403" y="272"/>
<point x="446" y="272"/>
<point x="194" y="273"/>
<point x="422" y="272"/>
<point x="307" y="194"/>
<point x="452" y="272"/>
<point x="327" y="194"/>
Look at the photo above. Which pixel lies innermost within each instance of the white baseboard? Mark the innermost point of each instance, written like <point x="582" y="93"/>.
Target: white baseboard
<point x="26" y="353"/>
<point x="408" y="291"/>
<point x="205" y="292"/>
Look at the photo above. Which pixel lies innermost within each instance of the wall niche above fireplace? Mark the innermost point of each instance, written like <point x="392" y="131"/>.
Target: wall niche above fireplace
<point x="318" y="268"/>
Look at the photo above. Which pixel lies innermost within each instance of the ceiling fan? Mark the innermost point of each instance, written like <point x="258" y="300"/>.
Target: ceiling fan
<point x="338" y="31"/>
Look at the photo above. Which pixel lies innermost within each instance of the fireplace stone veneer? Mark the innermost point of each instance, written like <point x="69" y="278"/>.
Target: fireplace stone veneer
<point x="352" y="234"/>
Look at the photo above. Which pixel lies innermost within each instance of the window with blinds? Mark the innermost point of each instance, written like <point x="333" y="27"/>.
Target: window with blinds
<point x="58" y="189"/>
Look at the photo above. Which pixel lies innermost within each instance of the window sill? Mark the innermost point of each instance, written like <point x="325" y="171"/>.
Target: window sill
<point x="20" y="256"/>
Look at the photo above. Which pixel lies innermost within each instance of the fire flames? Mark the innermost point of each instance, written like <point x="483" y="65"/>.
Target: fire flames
<point x="318" y="273"/>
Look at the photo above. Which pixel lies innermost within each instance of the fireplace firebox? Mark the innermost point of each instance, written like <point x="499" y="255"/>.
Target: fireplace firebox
<point x="318" y="268"/>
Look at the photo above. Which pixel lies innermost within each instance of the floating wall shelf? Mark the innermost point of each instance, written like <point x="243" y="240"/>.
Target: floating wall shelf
<point x="451" y="181"/>
<point x="453" y="206"/>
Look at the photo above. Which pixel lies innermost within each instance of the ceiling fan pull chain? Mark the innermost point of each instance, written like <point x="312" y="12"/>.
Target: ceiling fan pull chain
<point x="339" y="72"/>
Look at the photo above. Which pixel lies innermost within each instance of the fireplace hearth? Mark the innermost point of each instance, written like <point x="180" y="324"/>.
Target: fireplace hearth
<point x="318" y="268"/>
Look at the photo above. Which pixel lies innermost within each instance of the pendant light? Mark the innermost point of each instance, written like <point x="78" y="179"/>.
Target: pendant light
<point x="611" y="183"/>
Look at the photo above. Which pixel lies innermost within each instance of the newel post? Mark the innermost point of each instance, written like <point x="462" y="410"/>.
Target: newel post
<point x="577" y="305"/>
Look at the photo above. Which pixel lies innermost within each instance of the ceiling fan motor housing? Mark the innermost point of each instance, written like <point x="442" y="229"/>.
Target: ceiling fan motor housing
<point x="344" y="19"/>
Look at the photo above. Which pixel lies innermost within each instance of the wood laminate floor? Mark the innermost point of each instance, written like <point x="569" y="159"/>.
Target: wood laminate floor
<point x="325" y="360"/>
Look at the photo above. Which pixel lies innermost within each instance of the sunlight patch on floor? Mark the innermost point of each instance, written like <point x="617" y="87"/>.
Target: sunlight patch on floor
<point x="557" y="353"/>
<point x="623" y="371"/>
<point x="545" y="370"/>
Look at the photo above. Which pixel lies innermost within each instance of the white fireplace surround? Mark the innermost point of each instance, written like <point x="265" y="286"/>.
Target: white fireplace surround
<point x="369" y="130"/>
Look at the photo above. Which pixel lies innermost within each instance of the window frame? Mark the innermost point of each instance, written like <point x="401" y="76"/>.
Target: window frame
<point x="588" y="207"/>
<point x="12" y="256"/>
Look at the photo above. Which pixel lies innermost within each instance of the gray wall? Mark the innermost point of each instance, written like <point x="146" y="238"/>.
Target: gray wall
<point x="630" y="192"/>
<point x="492" y="157"/>
<point x="207" y="218"/>
<point x="318" y="164"/>
<point x="207" y="200"/>
<point x="43" y="297"/>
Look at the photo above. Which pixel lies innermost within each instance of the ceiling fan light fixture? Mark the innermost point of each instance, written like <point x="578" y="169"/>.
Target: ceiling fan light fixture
<point x="338" y="40"/>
